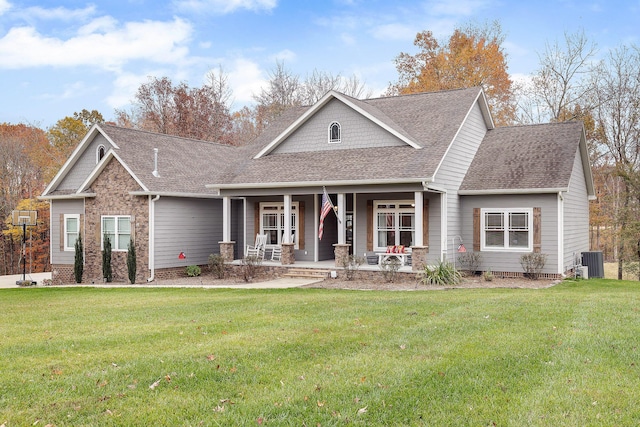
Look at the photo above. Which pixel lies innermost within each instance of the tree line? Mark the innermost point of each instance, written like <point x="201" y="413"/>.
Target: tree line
<point x="574" y="81"/>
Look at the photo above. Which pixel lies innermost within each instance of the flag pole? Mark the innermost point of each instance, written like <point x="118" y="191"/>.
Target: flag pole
<point x="333" y="207"/>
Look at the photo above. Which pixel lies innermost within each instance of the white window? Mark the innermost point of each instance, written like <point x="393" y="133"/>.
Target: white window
<point x="71" y="231"/>
<point x="118" y="229"/>
<point x="334" y="133"/>
<point x="507" y="229"/>
<point x="272" y="222"/>
<point x="100" y="152"/>
<point x="395" y="224"/>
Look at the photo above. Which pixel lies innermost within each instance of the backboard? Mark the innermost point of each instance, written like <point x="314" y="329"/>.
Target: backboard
<point x="28" y="218"/>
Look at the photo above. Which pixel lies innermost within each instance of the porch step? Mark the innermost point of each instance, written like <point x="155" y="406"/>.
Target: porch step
<point x="307" y="273"/>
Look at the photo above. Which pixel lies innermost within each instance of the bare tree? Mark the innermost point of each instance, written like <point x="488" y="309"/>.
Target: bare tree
<point x="561" y="83"/>
<point x="616" y="94"/>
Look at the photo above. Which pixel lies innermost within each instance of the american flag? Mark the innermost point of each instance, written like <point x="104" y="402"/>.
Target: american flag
<point x="324" y="211"/>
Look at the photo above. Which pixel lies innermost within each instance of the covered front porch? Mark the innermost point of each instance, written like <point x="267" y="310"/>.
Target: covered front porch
<point x="364" y="221"/>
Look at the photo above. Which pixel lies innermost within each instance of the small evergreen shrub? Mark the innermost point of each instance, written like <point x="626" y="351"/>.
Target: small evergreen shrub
<point x="442" y="274"/>
<point x="107" y="273"/>
<point x="533" y="264"/>
<point x="488" y="276"/>
<point x="78" y="262"/>
<point x="131" y="262"/>
<point x="193" y="271"/>
<point x="217" y="265"/>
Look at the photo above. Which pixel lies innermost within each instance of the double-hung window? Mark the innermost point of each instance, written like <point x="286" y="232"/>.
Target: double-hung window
<point x="394" y="224"/>
<point x="507" y="229"/>
<point x="272" y="222"/>
<point x="118" y="229"/>
<point x="71" y="231"/>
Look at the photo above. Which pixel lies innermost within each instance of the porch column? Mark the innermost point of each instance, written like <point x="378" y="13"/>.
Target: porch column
<point x="288" y="256"/>
<point x="287" y="219"/>
<point x="226" y="245"/>
<point x="418" y="214"/>
<point x="342" y="210"/>
<point x="226" y="219"/>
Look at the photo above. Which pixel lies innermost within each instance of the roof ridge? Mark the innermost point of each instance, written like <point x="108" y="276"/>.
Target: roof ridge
<point x="167" y="135"/>
<point x="528" y="125"/>
<point x="426" y="92"/>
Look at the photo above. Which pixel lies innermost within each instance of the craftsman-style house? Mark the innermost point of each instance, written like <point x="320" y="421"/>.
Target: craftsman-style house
<point x="418" y="174"/>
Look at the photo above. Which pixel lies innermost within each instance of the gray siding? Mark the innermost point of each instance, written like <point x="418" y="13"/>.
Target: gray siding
<point x="510" y="261"/>
<point x="576" y="215"/>
<point x="192" y="226"/>
<point x="356" y="132"/>
<point x="59" y="208"/>
<point x="454" y="168"/>
<point x="85" y="164"/>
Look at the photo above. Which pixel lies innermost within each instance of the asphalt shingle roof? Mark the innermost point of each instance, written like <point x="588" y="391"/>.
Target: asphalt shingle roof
<point x="525" y="157"/>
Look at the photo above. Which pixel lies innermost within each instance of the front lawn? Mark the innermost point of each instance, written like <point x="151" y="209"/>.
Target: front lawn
<point x="564" y="356"/>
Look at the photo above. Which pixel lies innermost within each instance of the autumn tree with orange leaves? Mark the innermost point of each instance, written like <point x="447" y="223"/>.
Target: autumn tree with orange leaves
<point x="473" y="56"/>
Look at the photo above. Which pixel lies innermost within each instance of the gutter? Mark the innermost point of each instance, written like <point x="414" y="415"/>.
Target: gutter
<point x="152" y="237"/>
<point x="320" y="184"/>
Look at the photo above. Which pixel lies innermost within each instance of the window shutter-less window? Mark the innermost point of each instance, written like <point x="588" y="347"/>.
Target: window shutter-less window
<point x="476" y="229"/>
<point x="537" y="232"/>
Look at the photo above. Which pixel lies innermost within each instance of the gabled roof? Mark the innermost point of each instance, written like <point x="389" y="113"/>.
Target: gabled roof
<point x="526" y="159"/>
<point x="184" y="165"/>
<point x="427" y="122"/>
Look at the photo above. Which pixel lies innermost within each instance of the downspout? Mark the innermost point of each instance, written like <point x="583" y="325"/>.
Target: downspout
<point x="561" y="267"/>
<point x="152" y="237"/>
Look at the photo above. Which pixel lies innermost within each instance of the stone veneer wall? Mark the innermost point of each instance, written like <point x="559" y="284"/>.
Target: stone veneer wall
<point x="112" y="198"/>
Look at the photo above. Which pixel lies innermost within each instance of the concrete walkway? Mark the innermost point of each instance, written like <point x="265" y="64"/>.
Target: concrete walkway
<point x="282" y="283"/>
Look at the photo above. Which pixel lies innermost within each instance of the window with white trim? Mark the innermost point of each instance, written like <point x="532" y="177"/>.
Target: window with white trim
<point x="335" y="133"/>
<point x="118" y="229"/>
<point x="71" y="231"/>
<point x="507" y="229"/>
<point x="272" y="222"/>
<point x="395" y="223"/>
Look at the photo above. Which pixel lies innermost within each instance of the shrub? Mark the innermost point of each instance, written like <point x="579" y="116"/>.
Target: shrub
<point x="470" y="261"/>
<point x="488" y="276"/>
<point x="532" y="264"/>
<point x="351" y="264"/>
<point x="251" y="266"/>
<point x="217" y="265"/>
<point x="131" y="262"/>
<point x="78" y="262"/>
<point x="107" y="273"/>
<point x="193" y="271"/>
<point x="389" y="268"/>
<point x="442" y="274"/>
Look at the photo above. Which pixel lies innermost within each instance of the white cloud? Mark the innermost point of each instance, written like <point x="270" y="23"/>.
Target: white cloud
<point x="394" y="32"/>
<point x="246" y="80"/>
<point x="58" y="13"/>
<point x="101" y="43"/>
<point x="225" y="6"/>
<point x="4" y="6"/>
<point x="284" y="55"/>
<point x="348" y="39"/>
<point x="124" y="88"/>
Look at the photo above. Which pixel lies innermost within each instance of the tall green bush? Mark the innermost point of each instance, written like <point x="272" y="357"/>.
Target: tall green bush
<point x="131" y="261"/>
<point x="106" y="260"/>
<point x="78" y="262"/>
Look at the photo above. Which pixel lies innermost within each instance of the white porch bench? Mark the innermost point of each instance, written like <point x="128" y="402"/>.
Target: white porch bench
<point x="386" y="256"/>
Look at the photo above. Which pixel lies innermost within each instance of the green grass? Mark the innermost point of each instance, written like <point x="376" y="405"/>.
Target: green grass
<point x="564" y="356"/>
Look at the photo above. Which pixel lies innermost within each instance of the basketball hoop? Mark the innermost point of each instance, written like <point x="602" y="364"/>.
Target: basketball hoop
<point x="24" y="219"/>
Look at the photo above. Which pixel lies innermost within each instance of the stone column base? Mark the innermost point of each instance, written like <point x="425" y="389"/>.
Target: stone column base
<point x="288" y="257"/>
<point x="226" y="250"/>
<point x="341" y="253"/>
<point x="419" y="257"/>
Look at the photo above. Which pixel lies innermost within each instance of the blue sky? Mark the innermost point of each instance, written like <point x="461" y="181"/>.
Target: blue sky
<point x="58" y="57"/>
